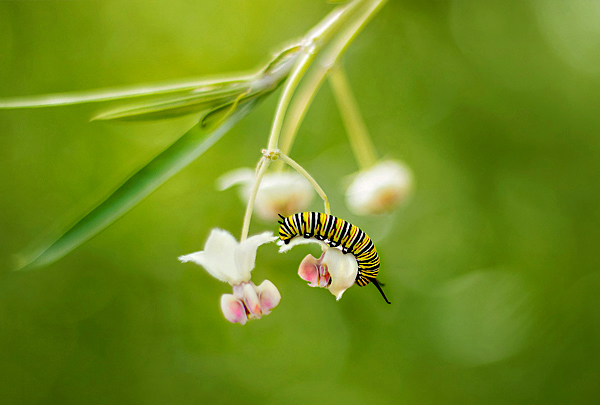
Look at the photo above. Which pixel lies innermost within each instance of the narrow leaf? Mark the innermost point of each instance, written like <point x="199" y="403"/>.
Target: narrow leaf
<point x="171" y="107"/>
<point x="185" y="150"/>
<point x="179" y="89"/>
<point x="121" y="93"/>
<point x="216" y="117"/>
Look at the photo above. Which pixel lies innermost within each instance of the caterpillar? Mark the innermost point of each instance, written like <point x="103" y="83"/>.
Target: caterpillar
<point x="336" y="232"/>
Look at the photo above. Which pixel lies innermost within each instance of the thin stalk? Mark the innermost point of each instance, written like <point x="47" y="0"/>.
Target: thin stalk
<point x="313" y="43"/>
<point x="248" y="215"/>
<point x="316" y="76"/>
<point x="299" y="107"/>
<point x="360" y="141"/>
<point x="288" y="91"/>
<point x="310" y="179"/>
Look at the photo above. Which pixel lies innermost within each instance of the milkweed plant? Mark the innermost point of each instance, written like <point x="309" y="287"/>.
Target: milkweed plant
<point x="277" y="189"/>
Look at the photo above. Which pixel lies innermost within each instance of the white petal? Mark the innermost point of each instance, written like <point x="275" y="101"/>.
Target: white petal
<point x="268" y="295"/>
<point x="197" y="257"/>
<point x="342" y="268"/>
<point x="219" y="251"/>
<point x="245" y="253"/>
<point x="238" y="176"/>
<point x="379" y="189"/>
<point x="298" y="240"/>
<point x="200" y="259"/>
<point x="233" y="309"/>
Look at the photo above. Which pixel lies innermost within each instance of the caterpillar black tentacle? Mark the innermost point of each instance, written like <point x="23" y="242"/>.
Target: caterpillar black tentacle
<point x="336" y="233"/>
<point x="378" y="285"/>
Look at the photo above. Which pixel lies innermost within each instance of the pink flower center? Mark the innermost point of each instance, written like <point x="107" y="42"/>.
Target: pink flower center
<point x="315" y="272"/>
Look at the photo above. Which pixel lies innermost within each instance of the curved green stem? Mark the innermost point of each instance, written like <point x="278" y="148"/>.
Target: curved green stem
<point x="316" y="76"/>
<point x="248" y="215"/>
<point x="360" y="141"/>
<point x="290" y="86"/>
<point x="292" y="163"/>
<point x="312" y="45"/>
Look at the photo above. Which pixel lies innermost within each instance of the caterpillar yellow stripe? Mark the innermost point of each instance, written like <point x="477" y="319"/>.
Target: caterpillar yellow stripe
<point x="336" y="232"/>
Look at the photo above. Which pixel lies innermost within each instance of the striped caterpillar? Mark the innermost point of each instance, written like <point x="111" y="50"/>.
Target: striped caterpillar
<point x="336" y="232"/>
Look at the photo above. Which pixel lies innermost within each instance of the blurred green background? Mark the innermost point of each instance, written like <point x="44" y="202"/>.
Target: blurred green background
<point x="492" y="267"/>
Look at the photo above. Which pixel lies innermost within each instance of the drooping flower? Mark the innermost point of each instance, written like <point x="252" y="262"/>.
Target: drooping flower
<point x="230" y="261"/>
<point x="333" y="270"/>
<point x="279" y="193"/>
<point x="379" y="189"/>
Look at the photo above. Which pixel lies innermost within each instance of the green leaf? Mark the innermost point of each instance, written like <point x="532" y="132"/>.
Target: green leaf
<point x="214" y="99"/>
<point x="171" y="107"/>
<point x="123" y="93"/>
<point x="216" y="117"/>
<point x="170" y="99"/>
<point x="185" y="150"/>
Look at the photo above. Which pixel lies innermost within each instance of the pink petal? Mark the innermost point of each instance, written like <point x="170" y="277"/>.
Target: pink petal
<point x="233" y="309"/>
<point x="251" y="300"/>
<point x="268" y="295"/>
<point x="309" y="270"/>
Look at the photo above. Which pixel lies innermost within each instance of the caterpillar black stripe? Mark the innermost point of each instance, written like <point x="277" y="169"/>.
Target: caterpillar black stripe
<point x="336" y="233"/>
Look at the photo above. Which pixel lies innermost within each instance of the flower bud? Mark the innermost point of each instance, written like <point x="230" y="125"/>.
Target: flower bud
<point x="379" y="189"/>
<point x="282" y="193"/>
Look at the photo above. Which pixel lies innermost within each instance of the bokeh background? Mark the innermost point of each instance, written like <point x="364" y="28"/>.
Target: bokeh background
<point x="492" y="267"/>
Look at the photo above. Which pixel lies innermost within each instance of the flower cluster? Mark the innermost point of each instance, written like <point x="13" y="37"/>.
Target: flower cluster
<point x="379" y="189"/>
<point x="348" y="254"/>
<point x="232" y="262"/>
<point x="229" y="261"/>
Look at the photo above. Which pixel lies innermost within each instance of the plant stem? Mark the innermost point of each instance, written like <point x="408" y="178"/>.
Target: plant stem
<point x="248" y="215"/>
<point x="360" y="141"/>
<point x="308" y="54"/>
<point x="312" y="45"/>
<point x="316" y="76"/>
<point x="310" y="179"/>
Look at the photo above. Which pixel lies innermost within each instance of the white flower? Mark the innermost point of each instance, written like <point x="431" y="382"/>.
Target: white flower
<point x="282" y="193"/>
<point x="379" y="189"/>
<point x="333" y="270"/>
<point x="232" y="262"/>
